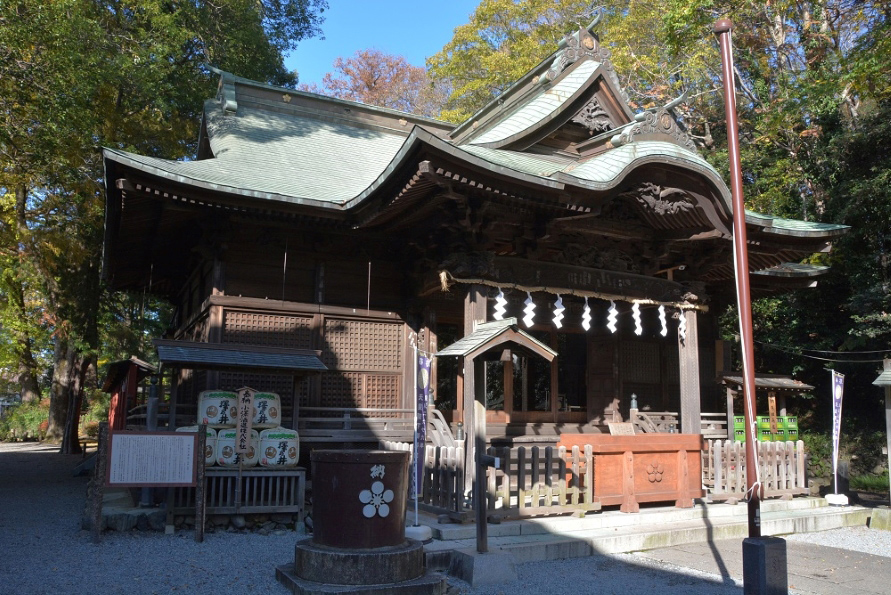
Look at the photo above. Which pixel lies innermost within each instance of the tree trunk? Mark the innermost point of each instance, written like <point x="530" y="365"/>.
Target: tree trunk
<point x="64" y="375"/>
<point x="69" y="374"/>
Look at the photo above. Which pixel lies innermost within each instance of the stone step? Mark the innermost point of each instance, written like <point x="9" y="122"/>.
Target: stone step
<point x="647" y="517"/>
<point x="561" y="542"/>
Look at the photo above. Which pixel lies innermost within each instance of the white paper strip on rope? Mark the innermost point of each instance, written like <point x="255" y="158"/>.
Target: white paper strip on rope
<point x="586" y="316"/>
<point x="682" y="325"/>
<point x="558" y="312"/>
<point x="663" y="322"/>
<point x="612" y="317"/>
<point x="635" y="314"/>
<point x="529" y="310"/>
<point x="500" y="306"/>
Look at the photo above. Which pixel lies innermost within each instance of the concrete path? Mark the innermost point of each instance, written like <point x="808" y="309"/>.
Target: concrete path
<point x="811" y="568"/>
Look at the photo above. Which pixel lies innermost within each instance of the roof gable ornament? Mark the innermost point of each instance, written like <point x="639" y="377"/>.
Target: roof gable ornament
<point x="593" y="117"/>
<point x="575" y="46"/>
<point x="659" y="121"/>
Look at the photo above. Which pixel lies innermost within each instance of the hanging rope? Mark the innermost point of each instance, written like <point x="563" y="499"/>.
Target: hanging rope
<point x="446" y="280"/>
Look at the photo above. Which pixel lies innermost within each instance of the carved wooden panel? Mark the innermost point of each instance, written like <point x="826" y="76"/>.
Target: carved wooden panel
<point x="362" y="345"/>
<point x="271" y="330"/>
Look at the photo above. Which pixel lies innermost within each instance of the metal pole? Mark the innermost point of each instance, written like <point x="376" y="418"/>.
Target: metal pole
<point x="722" y="29"/>
<point x="417" y="456"/>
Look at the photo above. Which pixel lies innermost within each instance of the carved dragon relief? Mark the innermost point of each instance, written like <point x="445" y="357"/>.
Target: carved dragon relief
<point x="662" y="201"/>
<point x="659" y="121"/>
<point x="585" y="255"/>
<point x="593" y="117"/>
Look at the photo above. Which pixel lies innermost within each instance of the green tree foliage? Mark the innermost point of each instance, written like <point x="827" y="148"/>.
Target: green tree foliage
<point x="76" y="75"/>
<point x="504" y="39"/>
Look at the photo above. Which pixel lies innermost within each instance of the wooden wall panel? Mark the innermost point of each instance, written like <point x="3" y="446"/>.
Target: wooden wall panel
<point x="270" y="330"/>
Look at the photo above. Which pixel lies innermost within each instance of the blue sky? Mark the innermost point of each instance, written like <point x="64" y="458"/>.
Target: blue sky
<point x="414" y="29"/>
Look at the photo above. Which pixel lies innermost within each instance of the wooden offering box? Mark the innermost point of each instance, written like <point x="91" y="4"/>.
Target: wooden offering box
<point x="643" y="468"/>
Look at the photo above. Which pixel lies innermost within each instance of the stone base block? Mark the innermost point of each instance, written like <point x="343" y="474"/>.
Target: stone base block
<point x="880" y="519"/>
<point x="373" y="566"/>
<point x="490" y="568"/>
<point x="764" y="566"/>
<point x="429" y="583"/>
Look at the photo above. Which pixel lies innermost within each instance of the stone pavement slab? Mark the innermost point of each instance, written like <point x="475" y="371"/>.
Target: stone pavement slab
<point x="813" y="569"/>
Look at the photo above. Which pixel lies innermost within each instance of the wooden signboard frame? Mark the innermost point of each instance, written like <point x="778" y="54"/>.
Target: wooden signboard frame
<point x="104" y="477"/>
<point x="152" y="459"/>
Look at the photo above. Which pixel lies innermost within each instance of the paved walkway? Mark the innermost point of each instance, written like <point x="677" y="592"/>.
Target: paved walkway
<point x="811" y="568"/>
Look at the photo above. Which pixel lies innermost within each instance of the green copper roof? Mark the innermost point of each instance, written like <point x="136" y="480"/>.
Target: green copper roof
<point x="546" y="102"/>
<point x="273" y="153"/>
<point x="606" y="167"/>
<point x="489" y="334"/>
<point x="792" y="226"/>
<point x="530" y="163"/>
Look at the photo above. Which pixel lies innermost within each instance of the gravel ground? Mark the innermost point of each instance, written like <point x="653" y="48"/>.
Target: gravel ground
<point x="43" y="550"/>
<point x="858" y="539"/>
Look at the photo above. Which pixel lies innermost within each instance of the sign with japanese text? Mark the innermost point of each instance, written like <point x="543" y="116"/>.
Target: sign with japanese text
<point x="245" y="419"/>
<point x="423" y="401"/>
<point x="838" y="391"/>
<point x="143" y="459"/>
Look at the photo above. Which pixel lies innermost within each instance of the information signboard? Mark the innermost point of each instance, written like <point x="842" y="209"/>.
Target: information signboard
<point x="152" y="459"/>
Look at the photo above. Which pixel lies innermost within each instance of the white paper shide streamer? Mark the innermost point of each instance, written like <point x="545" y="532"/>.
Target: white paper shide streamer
<point x="682" y="326"/>
<point x="662" y="321"/>
<point x="635" y="314"/>
<point x="612" y="317"/>
<point x="586" y="316"/>
<point x="500" y="306"/>
<point x="529" y="310"/>
<point x="558" y="312"/>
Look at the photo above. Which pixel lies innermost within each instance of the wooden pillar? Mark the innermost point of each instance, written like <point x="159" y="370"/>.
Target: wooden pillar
<point x="731" y="434"/>
<point x="218" y="277"/>
<point x="474" y="312"/>
<point x="174" y="400"/>
<point x="688" y="348"/>
<point x="508" y="361"/>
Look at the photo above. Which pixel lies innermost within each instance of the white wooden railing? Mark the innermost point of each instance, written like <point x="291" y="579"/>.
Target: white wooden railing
<point x="782" y="469"/>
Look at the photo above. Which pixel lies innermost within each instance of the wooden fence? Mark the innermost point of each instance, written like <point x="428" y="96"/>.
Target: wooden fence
<point x="529" y="481"/>
<point x="782" y="466"/>
<point x="260" y="490"/>
<point x="443" y="480"/>
<point x="539" y="481"/>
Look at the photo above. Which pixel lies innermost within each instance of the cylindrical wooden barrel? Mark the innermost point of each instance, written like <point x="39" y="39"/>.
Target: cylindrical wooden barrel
<point x="359" y="498"/>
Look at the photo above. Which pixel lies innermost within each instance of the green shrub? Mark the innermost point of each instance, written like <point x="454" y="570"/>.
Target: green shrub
<point x="27" y="421"/>
<point x="870" y="483"/>
<point x="819" y="449"/>
<point x="99" y="403"/>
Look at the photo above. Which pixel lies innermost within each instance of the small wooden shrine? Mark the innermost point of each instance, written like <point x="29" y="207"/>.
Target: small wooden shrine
<point x="360" y="233"/>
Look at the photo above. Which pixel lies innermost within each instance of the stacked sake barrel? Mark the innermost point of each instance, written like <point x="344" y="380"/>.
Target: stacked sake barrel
<point x="270" y="444"/>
